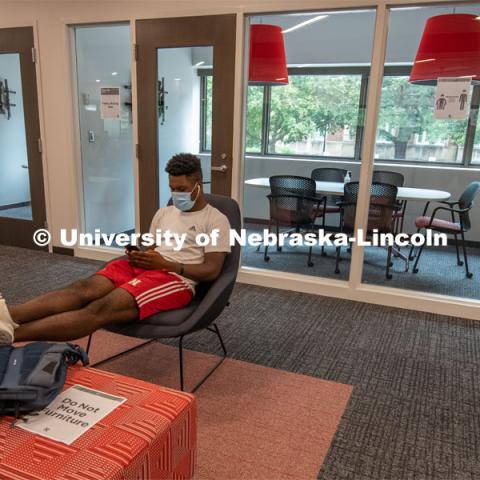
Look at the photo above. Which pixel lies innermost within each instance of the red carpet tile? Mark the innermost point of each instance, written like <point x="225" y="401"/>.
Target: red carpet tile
<point x="255" y="423"/>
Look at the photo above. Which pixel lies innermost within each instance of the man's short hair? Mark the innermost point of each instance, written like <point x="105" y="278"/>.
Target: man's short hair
<point x="184" y="164"/>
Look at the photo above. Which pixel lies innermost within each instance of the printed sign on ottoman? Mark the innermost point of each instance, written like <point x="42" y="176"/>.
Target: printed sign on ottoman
<point x="152" y="435"/>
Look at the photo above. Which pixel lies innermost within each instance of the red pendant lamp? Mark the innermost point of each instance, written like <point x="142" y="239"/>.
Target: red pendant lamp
<point x="268" y="63"/>
<point x="450" y="47"/>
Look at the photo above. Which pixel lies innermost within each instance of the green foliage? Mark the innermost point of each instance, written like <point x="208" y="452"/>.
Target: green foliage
<point x="407" y="109"/>
<point x="254" y="119"/>
<point x="312" y="105"/>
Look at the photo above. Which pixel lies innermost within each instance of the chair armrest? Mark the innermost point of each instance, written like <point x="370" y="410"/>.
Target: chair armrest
<point x="447" y="209"/>
<point x="451" y="204"/>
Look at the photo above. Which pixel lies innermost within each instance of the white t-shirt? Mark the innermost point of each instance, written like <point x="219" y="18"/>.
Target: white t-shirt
<point x="175" y="221"/>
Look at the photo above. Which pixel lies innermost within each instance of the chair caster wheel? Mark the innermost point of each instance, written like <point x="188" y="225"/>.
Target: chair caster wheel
<point x="460" y="264"/>
<point x="279" y="249"/>
<point x="389" y="276"/>
<point x="415" y="270"/>
<point x="310" y="264"/>
<point x="267" y="259"/>
<point x="469" y="275"/>
<point x="390" y="264"/>
<point x="337" y="270"/>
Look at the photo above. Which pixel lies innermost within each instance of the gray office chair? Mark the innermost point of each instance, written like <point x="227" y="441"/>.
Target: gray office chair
<point x="209" y="301"/>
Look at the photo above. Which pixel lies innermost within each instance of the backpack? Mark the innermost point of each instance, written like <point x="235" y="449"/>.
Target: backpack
<point x="33" y="375"/>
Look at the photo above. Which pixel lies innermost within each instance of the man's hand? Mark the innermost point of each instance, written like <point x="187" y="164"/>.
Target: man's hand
<point x="149" y="260"/>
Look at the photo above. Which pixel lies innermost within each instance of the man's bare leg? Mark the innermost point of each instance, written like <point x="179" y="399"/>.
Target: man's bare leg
<point x="118" y="306"/>
<point x="72" y="297"/>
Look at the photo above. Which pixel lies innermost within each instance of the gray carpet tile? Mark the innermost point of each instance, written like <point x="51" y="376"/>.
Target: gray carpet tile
<point x="415" y="408"/>
<point x="438" y="269"/>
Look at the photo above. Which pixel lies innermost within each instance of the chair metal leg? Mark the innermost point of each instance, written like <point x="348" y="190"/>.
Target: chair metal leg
<point x="118" y="355"/>
<point x="467" y="272"/>
<point x="266" y="258"/>
<point x="215" y="330"/>
<point x="309" y="260"/>
<point x="389" y="263"/>
<point x="277" y="231"/>
<point x="337" y="261"/>
<point x="459" y="262"/>
<point x="415" y="269"/>
<point x="89" y="343"/>
<point x="323" y="253"/>
<point x="411" y="255"/>
<point x="205" y="378"/>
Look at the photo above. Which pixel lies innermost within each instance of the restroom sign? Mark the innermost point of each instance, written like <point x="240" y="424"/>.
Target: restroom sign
<point x="109" y="102"/>
<point x="452" y="98"/>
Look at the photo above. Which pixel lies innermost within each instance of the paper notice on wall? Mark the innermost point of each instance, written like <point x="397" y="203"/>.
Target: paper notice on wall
<point x="72" y="413"/>
<point x="110" y="102"/>
<point x="451" y="98"/>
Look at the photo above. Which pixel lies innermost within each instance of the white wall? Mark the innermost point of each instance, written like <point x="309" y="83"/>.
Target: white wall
<point x="14" y="182"/>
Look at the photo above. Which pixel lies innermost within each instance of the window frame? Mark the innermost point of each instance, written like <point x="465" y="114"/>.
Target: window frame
<point x="364" y="72"/>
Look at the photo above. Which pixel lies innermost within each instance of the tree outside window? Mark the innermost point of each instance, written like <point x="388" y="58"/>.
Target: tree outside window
<point x="315" y="115"/>
<point x="407" y="129"/>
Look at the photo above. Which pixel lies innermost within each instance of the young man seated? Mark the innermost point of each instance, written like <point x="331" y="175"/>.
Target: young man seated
<point x="151" y="281"/>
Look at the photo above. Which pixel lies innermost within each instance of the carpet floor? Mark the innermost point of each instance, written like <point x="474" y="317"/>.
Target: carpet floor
<point x="268" y="423"/>
<point x="415" y="408"/>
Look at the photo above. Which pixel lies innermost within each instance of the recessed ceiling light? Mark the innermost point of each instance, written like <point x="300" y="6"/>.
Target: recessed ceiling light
<point x="114" y="73"/>
<point x="97" y="80"/>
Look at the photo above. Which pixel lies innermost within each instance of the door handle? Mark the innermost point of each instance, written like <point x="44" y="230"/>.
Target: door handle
<point x="220" y="168"/>
<point x="24" y="166"/>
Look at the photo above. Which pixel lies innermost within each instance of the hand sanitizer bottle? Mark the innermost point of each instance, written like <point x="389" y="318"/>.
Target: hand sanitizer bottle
<point x="348" y="177"/>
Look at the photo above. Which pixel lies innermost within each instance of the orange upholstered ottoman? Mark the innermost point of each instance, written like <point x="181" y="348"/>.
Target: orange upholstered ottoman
<point x="151" y="436"/>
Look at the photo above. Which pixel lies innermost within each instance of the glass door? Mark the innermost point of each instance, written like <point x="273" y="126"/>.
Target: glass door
<point x="185" y="81"/>
<point x="22" y="200"/>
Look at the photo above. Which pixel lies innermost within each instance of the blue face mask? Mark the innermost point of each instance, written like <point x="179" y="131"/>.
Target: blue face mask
<point x="183" y="200"/>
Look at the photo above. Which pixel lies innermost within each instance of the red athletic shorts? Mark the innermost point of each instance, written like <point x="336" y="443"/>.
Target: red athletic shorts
<point x="153" y="290"/>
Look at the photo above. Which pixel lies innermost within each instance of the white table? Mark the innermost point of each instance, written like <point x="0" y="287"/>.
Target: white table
<point x="336" y="188"/>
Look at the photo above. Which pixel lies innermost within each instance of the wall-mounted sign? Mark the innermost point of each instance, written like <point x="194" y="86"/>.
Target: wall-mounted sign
<point x="110" y="102"/>
<point x="451" y="98"/>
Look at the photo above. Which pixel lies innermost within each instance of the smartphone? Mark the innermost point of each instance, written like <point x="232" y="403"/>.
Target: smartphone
<point x="132" y="248"/>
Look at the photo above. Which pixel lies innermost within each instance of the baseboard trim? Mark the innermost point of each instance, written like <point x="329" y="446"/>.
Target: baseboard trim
<point x="63" y="251"/>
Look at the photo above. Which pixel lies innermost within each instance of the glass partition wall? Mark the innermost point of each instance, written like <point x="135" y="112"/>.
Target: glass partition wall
<point x="103" y="66"/>
<point x="307" y="132"/>
<point x="423" y="161"/>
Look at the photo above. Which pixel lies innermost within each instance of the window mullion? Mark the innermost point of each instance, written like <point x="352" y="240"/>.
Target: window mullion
<point x="471" y="127"/>
<point x="267" y="96"/>
<point x="203" y="117"/>
<point x="362" y="106"/>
